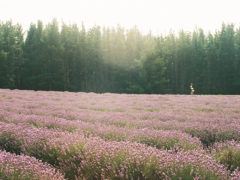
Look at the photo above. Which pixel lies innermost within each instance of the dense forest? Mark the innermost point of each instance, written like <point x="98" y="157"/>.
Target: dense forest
<point x="102" y="59"/>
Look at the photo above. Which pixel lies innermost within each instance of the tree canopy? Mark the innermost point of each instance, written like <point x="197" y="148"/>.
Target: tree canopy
<point x="71" y="58"/>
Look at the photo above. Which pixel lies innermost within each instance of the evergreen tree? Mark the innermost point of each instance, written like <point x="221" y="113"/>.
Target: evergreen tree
<point x="11" y="42"/>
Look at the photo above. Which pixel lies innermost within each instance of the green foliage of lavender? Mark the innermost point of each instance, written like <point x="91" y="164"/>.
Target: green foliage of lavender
<point x="9" y="143"/>
<point x="228" y="153"/>
<point x="209" y="136"/>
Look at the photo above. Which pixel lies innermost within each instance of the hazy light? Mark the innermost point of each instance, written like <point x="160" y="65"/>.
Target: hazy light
<point x="159" y="16"/>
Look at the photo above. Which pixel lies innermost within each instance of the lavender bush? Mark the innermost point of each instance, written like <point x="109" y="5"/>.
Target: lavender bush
<point x="24" y="167"/>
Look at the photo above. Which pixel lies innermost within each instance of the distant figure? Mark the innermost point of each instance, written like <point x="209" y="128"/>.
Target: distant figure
<point x="191" y="87"/>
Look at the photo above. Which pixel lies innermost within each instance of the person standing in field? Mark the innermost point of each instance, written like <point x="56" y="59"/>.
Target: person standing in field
<point x="191" y="87"/>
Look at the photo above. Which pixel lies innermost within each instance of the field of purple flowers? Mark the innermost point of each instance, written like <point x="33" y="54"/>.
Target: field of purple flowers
<point x="64" y="135"/>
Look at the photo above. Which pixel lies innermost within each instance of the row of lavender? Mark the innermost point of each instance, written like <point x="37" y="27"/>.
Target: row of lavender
<point x="93" y="158"/>
<point x="76" y="133"/>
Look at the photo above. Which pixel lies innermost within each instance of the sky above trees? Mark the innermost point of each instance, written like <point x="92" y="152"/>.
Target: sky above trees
<point x="159" y="16"/>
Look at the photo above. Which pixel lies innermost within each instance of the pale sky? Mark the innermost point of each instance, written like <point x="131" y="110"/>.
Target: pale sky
<point x="159" y="16"/>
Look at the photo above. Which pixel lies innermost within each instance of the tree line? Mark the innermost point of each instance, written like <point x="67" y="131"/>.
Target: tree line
<point x="72" y="58"/>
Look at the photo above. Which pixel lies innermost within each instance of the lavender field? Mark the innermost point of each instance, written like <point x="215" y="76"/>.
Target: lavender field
<point x="64" y="135"/>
